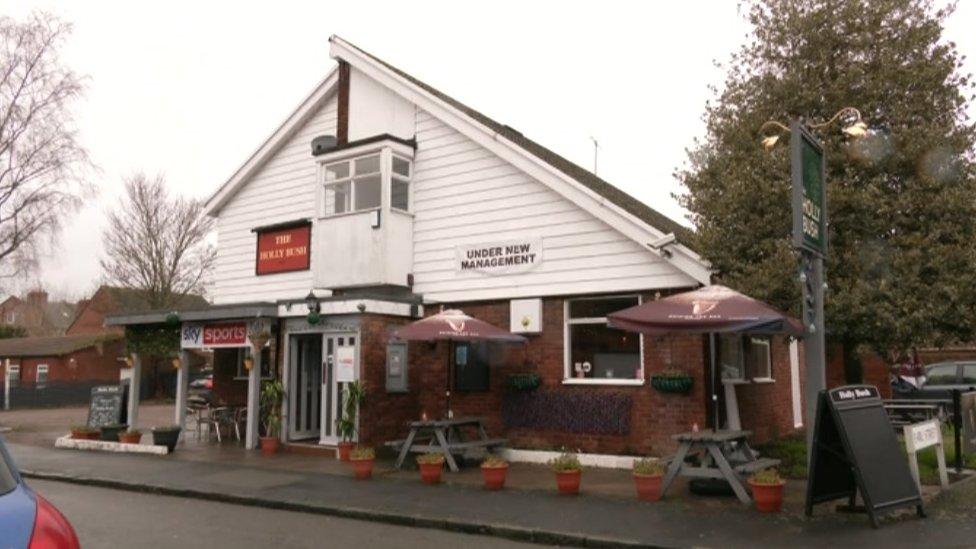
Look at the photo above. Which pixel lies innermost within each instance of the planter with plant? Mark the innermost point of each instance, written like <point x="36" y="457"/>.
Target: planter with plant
<point x="362" y="459"/>
<point x="493" y="471"/>
<point x="354" y="395"/>
<point x="568" y="472"/>
<point x="647" y="478"/>
<point x="672" y="381"/>
<point x="767" y="490"/>
<point x="84" y="432"/>
<point x="431" y="466"/>
<point x="167" y="435"/>
<point x="272" y="394"/>
<point x="110" y="433"/>
<point x="130" y="436"/>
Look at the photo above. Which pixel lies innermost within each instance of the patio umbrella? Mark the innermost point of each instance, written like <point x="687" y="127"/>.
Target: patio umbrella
<point x="712" y="309"/>
<point x="453" y="325"/>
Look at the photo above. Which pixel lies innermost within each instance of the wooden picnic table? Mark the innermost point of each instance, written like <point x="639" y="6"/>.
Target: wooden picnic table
<point x="444" y="436"/>
<point x="726" y="455"/>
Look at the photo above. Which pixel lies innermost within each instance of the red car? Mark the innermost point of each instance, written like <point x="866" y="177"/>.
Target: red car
<point x="27" y="519"/>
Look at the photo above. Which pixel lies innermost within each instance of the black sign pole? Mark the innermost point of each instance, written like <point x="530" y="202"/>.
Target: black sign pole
<point x="957" y="427"/>
<point x="807" y="171"/>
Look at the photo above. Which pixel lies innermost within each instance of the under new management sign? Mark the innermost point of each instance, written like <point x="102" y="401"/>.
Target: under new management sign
<point x="514" y="256"/>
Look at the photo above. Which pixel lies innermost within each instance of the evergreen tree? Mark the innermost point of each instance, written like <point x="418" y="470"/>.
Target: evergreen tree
<point x="901" y="201"/>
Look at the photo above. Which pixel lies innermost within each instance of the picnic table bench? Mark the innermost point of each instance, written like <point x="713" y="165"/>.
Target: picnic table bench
<point x="444" y="436"/>
<point x="726" y="456"/>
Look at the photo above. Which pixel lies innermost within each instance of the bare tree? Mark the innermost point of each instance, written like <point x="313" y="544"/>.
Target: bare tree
<point x="42" y="163"/>
<point x="156" y="243"/>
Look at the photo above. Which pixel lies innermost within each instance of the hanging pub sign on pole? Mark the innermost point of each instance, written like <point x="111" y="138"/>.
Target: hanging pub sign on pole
<point x="807" y="170"/>
<point x="855" y="450"/>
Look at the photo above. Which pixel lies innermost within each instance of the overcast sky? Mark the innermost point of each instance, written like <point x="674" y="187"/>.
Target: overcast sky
<point x="190" y="89"/>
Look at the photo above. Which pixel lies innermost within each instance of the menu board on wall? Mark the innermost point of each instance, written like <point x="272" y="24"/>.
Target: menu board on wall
<point x="283" y="248"/>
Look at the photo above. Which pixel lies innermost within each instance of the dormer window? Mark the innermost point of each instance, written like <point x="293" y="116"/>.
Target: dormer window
<point x="354" y="185"/>
<point x="371" y="174"/>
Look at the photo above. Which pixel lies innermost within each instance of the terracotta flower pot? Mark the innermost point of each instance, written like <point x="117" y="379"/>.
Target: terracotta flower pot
<point x="130" y="438"/>
<point x="343" y="449"/>
<point x="568" y="482"/>
<point x="84" y="435"/>
<point x="768" y="497"/>
<point x="648" y="487"/>
<point x="494" y="477"/>
<point x="430" y="473"/>
<point x="269" y="445"/>
<point x="363" y="468"/>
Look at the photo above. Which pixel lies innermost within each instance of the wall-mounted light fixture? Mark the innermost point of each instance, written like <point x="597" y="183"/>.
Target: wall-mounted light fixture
<point x="314" y="308"/>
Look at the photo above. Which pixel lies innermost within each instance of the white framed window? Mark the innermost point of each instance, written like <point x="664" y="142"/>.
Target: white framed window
<point x="10" y="317"/>
<point x="240" y="353"/>
<point x="743" y="358"/>
<point x="353" y="185"/>
<point x="13" y="374"/>
<point x="596" y="353"/>
<point x="41" y="376"/>
<point x="400" y="184"/>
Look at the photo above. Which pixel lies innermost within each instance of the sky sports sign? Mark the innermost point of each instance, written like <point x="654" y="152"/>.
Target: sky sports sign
<point x="809" y="192"/>
<point x="225" y="334"/>
<point x="516" y="256"/>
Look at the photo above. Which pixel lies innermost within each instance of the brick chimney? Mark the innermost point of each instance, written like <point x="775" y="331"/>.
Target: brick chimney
<point x="37" y="298"/>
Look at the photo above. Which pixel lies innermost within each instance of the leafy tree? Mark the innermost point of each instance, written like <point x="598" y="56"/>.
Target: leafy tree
<point x="42" y="164"/>
<point x="157" y="243"/>
<point x="902" y="259"/>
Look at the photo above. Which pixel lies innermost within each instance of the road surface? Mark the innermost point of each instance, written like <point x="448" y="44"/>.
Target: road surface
<point x="113" y="518"/>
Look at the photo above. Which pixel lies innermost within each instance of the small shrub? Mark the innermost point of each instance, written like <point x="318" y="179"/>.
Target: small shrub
<point x="565" y="462"/>
<point x="362" y="452"/>
<point x="492" y="461"/>
<point x="81" y="428"/>
<point x="649" y="467"/>
<point x="430" y="459"/>
<point x="766" y="476"/>
<point x="166" y="428"/>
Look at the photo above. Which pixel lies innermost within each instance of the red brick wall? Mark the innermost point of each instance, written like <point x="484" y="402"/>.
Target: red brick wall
<point x="654" y="416"/>
<point x="766" y="409"/>
<point x="91" y="318"/>
<point x="92" y="364"/>
<point x="873" y="367"/>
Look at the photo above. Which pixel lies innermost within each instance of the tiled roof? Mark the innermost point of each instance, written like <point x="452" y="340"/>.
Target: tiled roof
<point x="52" y="345"/>
<point x="587" y="178"/>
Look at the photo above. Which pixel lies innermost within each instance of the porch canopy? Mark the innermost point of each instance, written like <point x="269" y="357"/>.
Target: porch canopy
<point x="453" y="325"/>
<point x="247" y="318"/>
<point x="712" y="309"/>
<point x="709" y="310"/>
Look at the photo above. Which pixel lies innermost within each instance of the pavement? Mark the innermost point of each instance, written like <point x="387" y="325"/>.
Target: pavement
<point x="519" y="515"/>
<point x="605" y="514"/>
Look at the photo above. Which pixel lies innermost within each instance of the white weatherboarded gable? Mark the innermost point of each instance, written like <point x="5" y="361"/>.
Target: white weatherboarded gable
<point x="282" y="189"/>
<point x="464" y="194"/>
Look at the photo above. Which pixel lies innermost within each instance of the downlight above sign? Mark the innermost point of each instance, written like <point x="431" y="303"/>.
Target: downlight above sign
<point x="499" y="258"/>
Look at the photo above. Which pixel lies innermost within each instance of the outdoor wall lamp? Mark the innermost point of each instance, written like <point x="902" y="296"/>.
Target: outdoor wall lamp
<point x="248" y="363"/>
<point x="177" y="363"/>
<point x="855" y="129"/>
<point x="314" y="308"/>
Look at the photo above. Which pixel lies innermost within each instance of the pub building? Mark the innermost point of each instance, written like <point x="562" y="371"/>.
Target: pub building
<point x="380" y="201"/>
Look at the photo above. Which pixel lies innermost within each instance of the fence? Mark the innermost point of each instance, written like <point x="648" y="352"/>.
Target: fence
<point x="958" y="411"/>
<point x="50" y="394"/>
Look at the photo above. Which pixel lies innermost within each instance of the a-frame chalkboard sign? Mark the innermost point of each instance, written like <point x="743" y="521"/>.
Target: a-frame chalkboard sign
<point x="108" y="405"/>
<point x="855" y="450"/>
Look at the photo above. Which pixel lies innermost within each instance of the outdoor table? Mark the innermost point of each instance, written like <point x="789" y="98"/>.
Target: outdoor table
<point x="446" y="438"/>
<point x="726" y="456"/>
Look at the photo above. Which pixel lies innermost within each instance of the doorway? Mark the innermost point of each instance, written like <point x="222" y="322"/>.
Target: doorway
<point x="305" y="389"/>
<point x="334" y="378"/>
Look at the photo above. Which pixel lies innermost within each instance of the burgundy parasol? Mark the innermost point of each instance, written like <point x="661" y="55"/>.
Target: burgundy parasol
<point x="712" y="309"/>
<point x="454" y="325"/>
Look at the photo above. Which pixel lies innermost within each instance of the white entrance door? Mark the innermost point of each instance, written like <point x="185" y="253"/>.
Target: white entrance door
<point x="305" y="387"/>
<point x="332" y="397"/>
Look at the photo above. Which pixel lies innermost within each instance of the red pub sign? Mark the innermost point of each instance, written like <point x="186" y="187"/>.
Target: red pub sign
<point x="283" y="249"/>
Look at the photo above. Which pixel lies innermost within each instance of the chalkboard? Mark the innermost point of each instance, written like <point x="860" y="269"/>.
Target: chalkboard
<point x="108" y="406"/>
<point x="855" y="450"/>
